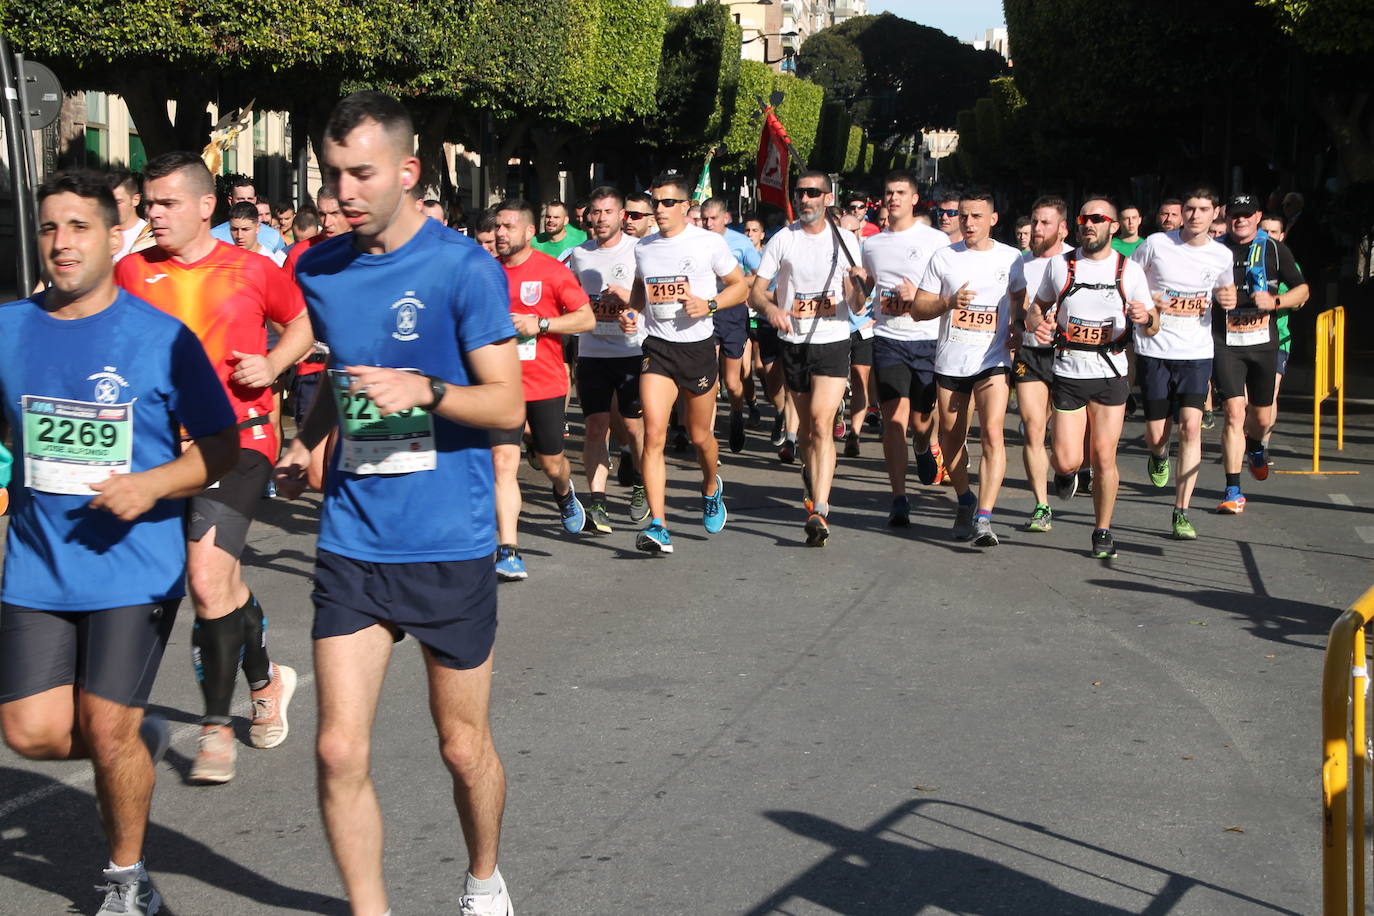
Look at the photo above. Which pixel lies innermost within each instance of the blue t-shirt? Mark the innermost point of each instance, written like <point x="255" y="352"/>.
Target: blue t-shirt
<point x="423" y="306"/>
<point x="78" y="378"/>
<point x="268" y="237"/>
<point x="744" y="251"/>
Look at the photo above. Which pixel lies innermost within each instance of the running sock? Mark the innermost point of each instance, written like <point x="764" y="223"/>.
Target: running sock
<point x="563" y="498"/>
<point x="216" y="650"/>
<point x="598" y="498"/>
<point x="967" y="498"/>
<point x="983" y="513"/>
<point x="792" y="437"/>
<point x="1233" y="480"/>
<point x="257" y="667"/>
<point x="1253" y="445"/>
<point x="822" y="509"/>
<point x="135" y="868"/>
<point x="482" y="885"/>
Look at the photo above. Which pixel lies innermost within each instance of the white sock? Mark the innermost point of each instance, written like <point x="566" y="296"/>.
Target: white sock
<point x="486" y="886"/>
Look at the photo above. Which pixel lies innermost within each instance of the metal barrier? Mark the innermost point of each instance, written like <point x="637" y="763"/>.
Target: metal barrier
<point x="1345" y="755"/>
<point x="1328" y="378"/>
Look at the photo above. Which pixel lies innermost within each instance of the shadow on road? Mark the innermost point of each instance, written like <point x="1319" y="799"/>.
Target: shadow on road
<point x="55" y="844"/>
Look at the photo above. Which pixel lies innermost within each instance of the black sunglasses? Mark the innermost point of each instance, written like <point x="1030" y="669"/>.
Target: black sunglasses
<point x="950" y="213"/>
<point x="809" y="193"/>
<point x="668" y="201"/>
<point x="633" y="214"/>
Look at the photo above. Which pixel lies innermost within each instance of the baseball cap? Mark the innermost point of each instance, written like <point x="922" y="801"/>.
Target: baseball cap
<point x="1241" y="204"/>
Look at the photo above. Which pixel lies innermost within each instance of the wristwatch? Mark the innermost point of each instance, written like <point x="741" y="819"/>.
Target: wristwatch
<point x="543" y="325"/>
<point x="711" y="307"/>
<point x="437" y="387"/>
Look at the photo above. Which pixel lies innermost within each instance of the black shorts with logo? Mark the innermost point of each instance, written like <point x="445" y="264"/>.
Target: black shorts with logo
<point x="803" y="361"/>
<point x="691" y="365"/>
<point x="1033" y="364"/>
<point x="229" y="505"/>
<point x="545" y="418"/>
<point x="1068" y="394"/>
<point x="601" y="378"/>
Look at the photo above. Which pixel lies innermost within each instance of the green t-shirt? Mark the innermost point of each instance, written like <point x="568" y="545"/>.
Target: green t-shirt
<point x="1127" y="248"/>
<point x="572" y="237"/>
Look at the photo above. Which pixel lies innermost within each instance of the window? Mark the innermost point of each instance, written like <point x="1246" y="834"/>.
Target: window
<point x="138" y="156"/>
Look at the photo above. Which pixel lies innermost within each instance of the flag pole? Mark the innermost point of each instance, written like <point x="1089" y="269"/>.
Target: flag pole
<point x="764" y="109"/>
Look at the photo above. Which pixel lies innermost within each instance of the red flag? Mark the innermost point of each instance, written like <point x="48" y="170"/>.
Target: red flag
<point x="773" y="163"/>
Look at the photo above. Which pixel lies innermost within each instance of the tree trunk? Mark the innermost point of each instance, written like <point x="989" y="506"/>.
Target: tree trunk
<point x="144" y="91"/>
<point x="545" y="148"/>
<point x="1345" y="118"/>
<point x="511" y="136"/>
<point x="432" y="124"/>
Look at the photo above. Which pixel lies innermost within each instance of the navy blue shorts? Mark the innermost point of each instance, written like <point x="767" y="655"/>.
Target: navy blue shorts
<point x="905" y="369"/>
<point x="450" y="607"/>
<point x="1169" y="384"/>
<point x="732" y="330"/>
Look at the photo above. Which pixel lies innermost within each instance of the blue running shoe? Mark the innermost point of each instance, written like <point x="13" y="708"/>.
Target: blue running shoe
<point x="713" y="509"/>
<point x="654" y="539"/>
<point x="509" y="566"/>
<point x="570" y="507"/>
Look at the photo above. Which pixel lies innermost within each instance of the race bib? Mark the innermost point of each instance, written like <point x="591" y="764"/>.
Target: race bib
<point x="664" y="294"/>
<point x="1184" y="310"/>
<point x="889" y="303"/>
<point x="813" y="305"/>
<point x="974" y="325"/>
<point x="398" y="443"/>
<point x="1246" y="328"/>
<point x="69" y="445"/>
<point x="1088" y="333"/>
<point x="526" y="348"/>
<point x="607" y="317"/>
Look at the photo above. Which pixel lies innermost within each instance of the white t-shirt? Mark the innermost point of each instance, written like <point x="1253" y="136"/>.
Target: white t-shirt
<point x="810" y="270"/>
<point x="1034" y="270"/>
<point x="1189" y="275"/>
<point x="671" y="267"/>
<point x="974" y="339"/>
<point x="130" y="236"/>
<point x="597" y="268"/>
<point x="1091" y="316"/>
<point x="891" y="257"/>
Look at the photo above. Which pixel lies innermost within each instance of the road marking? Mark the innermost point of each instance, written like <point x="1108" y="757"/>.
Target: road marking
<point x="87" y="775"/>
<point x="1366" y="533"/>
<point x="1340" y="499"/>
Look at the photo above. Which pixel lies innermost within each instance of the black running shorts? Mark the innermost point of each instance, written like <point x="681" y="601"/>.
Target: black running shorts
<point x="860" y="349"/>
<point x="803" y="361"/>
<point x="905" y="369"/>
<point x="691" y="365"/>
<point x="230" y="505"/>
<point x="732" y="330"/>
<point x="1245" y="372"/>
<point x="601" y="378"/>
<point x="964" y="384"/>
<point x="1033" y="364"/>
<point x="545" y="418"/>
<point x="1069" y="394"/>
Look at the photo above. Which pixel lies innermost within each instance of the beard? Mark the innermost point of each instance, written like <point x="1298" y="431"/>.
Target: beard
<point x="1093" y="246"/>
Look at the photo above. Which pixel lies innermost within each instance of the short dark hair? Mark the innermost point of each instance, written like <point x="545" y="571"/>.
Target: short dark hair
<point x="1206" y="193"/>
<point x="242" y="181"/>
<point x="717" y="203"/>
<point x="181" y="161"/>
<point x="1128" y="205"/>
<point x="1022" y="222"/>
<point x="307" y="217"/>
<point x="983" y="194"/>
<point x="1054" y="203"/>
<point x="1278" y="217"/>
<point x="279" y="208"/>
<point x="243" y="210"/>
<point x="83" y="183"/>
<point x="430" y="202"/>
<point x="945" y="193"/>
<point x="487" y="223"/>
<point x="1171" y="202"/>
<point x="639" y="197"/>
<point x="901" y="175"/>
<point x="552" y="203"/>
<point x="370" y="105"/>
<point x="518" y="205"/>
<point x="120" y="177"/>
<point x="672" y="180"/>
<point x="751" y="217"/>
<point x="605" y="191"/>
<point x="817" y="173"/>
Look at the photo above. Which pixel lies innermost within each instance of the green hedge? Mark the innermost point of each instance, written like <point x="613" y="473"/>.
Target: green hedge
<point x="853" y="151"/>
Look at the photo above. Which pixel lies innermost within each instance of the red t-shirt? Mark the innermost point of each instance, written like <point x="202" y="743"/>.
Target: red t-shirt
<point x="226" y="299"/>
<point x="868" y="229"/>
<point x="293" y="254"/>
<point x="544" y="287"/>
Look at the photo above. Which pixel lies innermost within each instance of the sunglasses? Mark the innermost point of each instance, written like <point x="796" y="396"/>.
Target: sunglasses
<point x="632" y="214"/>
<point x="1094" y="218"/>
<point x="668" y="201"/>
<point x="952" y="214"/>
<point x="858" y="208"/>
<point x="809" y="193"/>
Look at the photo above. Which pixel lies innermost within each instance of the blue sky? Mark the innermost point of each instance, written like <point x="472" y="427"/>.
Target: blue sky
<point x="963" y="19"/>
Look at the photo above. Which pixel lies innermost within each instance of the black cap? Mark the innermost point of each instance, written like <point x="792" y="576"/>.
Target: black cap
<point x="1241" y="204"/>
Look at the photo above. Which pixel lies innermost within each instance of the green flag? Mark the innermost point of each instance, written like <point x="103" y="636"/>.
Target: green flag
<point x="703" y="190"/>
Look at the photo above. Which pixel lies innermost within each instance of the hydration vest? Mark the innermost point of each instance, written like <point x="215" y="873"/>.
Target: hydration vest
<point x="1071" y="286"/>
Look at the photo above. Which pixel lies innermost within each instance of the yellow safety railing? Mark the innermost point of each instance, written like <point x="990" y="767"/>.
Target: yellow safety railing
<point x="1345" y="756"/>
<point x="1328" y="378"/>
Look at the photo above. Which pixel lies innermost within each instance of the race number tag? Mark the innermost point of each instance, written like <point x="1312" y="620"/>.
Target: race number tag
<point x="1184" y="310"/>
<point x="891" y="304"/>
<point x="71" y="444"/>
<point x="607" y="315"/>
<point x="813" y="305"/>
<point x="663" y="295"/>
<point x="1088" y="333"/>
<point x="398" y="443"/>
<point x="973" y="324"/>
<point x="526" y="348"/>
<point x="1246" y="328"/>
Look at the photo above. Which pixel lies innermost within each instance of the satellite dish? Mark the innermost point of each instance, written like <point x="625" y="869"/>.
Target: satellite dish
<point x="776" y="99"/>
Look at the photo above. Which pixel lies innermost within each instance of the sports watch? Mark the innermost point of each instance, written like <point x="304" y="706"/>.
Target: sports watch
<point x="437" y="387"/>
<point x="543" y="325"/>
<point x="711" y="307"/>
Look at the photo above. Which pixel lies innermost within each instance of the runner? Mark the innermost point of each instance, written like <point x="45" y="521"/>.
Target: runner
<point x="816" y="291"/>
<point x="486" y="234"/>
<point x="1033" y="368"/>
<point x="1023" y="234"/>
<point x="1185" y="268"/>
<point x="1268" y="284"/>
<point x="1170" y="215"/>
<point x="947" y="215"/>
<point x="135" y="231"/>
<point x="243" y="231"/>
<point x="1128" y="239"/>
<point x="546" y="302"/>
<point x="226" y="296"/>
<point x="1085" y="306"/>
<point x="241" y="190"/>
<point x="968" y="286"/>
<point x="639" y="215"/>
<point x="1274" y="227"/>
<point x="732" y="325"/>
<point x="406" y="534"/>
<point x="903" y="348"/>
<point x="608" y="362"/>
<point x="675" y="294"/>
<point x="559" y="235"/>
<point x="95" y="559"/>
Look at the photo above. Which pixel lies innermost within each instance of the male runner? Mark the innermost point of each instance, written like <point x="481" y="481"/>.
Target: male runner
<point x="676" y="273"/>
<point x="947" y="215"/>
<point x="903" y="348"/>
<point x="407" y="531"/>
<point x="639" y="215"/>
<point x="1185" y="268"/>
<point x="486" y="234"/>
<point x="608" y="361"/>
<point x="732" y="325"/>
<point x="1033" y="367"/>
<point x="1128" y="239"/>
<point x="1245" y="366"/>
<point x="226" y="296"/>
<point x="1274" y="226"/>
<point x="241" y="190"/>
<point x="283" y="219"/>
<point x="243" y="231"/>
<point x="1023" y="234"/>
<point x="95" y="384"/>
<point x="559" y="235"/>
<point x="816" y="290"/>
<point x="1085" y="306"/>
<point x="968" y="286"/>
<point x="546" y="302"/>
<point x="128" y="198"/>
<point x="1169" y="216"/>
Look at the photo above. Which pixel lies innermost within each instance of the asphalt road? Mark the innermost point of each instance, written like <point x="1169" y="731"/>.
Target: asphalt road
<point x="897" y="724"/>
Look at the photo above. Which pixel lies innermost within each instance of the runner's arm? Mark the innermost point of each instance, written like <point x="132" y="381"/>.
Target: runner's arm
<point x="929" y="305"/>
<point x="761" y="298"/>
<point x="735" y="292"/>
<point x="297" y="340"/>
<point x="203" y="461"/>
<point x="574" y="322"/>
